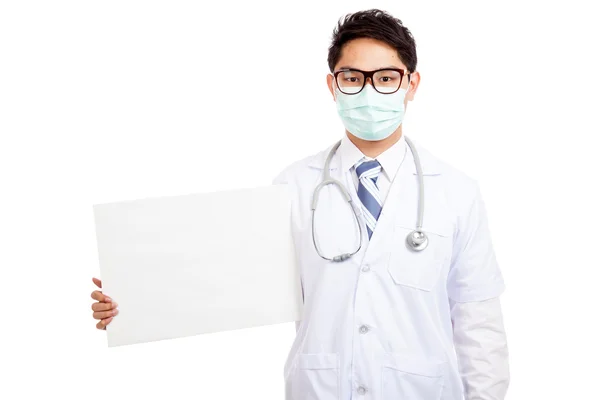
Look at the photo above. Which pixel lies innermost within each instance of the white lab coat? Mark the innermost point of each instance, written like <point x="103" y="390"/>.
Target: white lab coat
<point x="379" y="326"/>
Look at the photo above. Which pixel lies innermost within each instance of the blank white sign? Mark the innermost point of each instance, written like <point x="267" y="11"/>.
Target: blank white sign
<point x="185" y="265"/>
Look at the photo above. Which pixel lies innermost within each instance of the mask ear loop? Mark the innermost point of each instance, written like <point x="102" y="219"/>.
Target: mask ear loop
<point x="408" y="87"/>
<point x="334" y="89"/>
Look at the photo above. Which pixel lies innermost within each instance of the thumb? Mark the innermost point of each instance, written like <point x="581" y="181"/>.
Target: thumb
<point x="98" y="282"/>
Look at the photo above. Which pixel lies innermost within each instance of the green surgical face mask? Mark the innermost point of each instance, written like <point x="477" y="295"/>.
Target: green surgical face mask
<point x="371" y="115"/>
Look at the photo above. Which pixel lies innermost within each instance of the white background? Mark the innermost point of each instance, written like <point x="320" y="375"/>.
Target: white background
<point x="112" y="100"/>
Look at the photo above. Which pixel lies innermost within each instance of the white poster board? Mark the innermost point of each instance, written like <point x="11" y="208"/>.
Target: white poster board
<point x="185" y="265"/>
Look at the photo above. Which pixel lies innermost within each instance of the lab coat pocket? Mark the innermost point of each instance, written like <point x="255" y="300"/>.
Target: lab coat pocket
<point x="405" y="377"/>
<point x="419" y="269"/>
<point x="316" y="377"/>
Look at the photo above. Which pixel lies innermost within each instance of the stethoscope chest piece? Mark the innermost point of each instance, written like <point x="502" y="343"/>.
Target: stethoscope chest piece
<point x="417" y="240"/>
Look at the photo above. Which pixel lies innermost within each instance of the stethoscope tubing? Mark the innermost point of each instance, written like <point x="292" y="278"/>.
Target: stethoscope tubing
<point x="417" y="240"/>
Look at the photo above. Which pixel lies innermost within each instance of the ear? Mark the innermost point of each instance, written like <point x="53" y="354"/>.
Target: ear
<point x="330" y="85"/>
<point x="415" y="78"/>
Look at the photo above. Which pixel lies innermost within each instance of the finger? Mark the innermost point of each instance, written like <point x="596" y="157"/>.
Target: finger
<point x="99" y="306"/>
<point x="97" y="282"/>
<point x="103" y="323"/>
<point x="105" y="314"/>
<point x="97" y="295"/>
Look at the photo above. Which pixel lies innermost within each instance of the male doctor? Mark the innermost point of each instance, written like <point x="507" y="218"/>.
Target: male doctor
<point x="389" y="322"/>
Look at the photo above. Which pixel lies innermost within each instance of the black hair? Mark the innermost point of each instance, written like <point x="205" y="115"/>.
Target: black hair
<point x="374" y="24"/>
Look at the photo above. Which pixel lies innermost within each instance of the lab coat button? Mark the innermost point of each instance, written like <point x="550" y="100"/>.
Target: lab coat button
<point x="361" y="390"/>
<point x="366" y="268"/>
<point x="363" y="329"/>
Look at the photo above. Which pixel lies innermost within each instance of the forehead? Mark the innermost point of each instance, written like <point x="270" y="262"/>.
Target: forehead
<point x="368" y="54"/>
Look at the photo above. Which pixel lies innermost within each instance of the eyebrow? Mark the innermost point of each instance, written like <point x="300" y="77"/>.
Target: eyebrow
<point x="388" y="67"/>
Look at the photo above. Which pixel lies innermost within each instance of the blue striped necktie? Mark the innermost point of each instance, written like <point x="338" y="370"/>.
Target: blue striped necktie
<point x="368" y="192"/>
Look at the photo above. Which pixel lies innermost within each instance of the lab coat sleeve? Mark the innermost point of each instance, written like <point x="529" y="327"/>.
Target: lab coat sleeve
<point x="474" y="285"/>
<point x="481" y="348"/>
<point x="474" y="272"/>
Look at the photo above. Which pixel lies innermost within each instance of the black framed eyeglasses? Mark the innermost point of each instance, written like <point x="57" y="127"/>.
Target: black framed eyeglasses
<point x="385" y="81"/>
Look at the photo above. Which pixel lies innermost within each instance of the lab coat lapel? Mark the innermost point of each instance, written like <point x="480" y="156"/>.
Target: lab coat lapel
<point x="401" y="204"/>
<point x="356" y="203"/>
<point x="335" y="223"/>
<point x="401" y="195"/>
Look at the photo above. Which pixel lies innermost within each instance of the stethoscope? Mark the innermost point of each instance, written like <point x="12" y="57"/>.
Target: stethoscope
<point x="416" y="240"/>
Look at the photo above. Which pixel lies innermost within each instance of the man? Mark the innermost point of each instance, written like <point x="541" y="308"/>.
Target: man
<point x="386" y="320"/>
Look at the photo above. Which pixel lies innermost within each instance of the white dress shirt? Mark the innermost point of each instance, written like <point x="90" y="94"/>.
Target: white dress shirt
<point x="390" y="160"/>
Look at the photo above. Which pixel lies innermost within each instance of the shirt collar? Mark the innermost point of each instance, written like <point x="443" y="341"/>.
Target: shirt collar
<point x="390" y="159"/>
